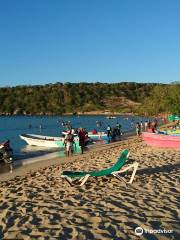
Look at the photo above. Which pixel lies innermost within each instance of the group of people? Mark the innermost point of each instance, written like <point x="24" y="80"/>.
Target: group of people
<point x="149" y="126"/>
<point x="69" y="140"/>
<point x="113" y="133"/>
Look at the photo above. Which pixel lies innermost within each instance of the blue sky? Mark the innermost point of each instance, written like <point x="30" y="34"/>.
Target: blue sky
<point x="48" y="41"/>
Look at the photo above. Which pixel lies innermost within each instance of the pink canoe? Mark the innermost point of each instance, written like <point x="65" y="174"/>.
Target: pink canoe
<point x="161" y="140"/>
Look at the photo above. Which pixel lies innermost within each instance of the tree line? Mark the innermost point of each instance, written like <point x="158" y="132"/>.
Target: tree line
<point x="62" y="98"/>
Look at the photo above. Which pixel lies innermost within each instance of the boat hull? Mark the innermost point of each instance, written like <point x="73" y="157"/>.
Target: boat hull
<point x="172" y="132"/>
<point x="47" y="141"/>
<point x="161" y="140"/>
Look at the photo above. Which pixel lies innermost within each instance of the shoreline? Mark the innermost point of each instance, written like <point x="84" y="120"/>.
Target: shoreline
<point x="22" y="167"/>
<point x="93" y="113"/>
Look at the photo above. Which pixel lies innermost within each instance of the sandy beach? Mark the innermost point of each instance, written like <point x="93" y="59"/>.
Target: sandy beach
<point x="41" y="205"/>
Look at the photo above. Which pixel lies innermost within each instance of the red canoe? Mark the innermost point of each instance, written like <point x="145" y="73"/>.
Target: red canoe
<point x="161" y="140"/>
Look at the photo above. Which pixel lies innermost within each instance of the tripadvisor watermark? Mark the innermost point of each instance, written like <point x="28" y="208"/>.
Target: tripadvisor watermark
<point x="139" y="231"/>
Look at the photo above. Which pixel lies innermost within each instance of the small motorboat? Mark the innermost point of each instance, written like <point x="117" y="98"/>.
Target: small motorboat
<point x="161" y="140"/>
<point x="46" y="141"/>
<point x="98" y="135"/>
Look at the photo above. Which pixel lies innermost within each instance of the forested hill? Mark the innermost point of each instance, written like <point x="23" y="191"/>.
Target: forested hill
<point x="62" y="98"/>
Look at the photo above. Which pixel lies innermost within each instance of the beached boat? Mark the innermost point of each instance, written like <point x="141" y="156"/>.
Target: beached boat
<point x="98" y="135"/>
<point x="161" y="140"/>
<point x="175" y="132"/>
<point x="46" y="141"/>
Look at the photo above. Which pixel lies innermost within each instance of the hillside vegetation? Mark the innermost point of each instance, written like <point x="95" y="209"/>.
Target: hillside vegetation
<point x="65" y="98"/>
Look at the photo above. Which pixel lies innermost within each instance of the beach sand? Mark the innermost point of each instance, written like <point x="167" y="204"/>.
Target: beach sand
<point x="41" y="205"/>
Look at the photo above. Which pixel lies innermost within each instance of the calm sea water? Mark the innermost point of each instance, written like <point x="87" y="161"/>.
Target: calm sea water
<point x="11" y="127"/>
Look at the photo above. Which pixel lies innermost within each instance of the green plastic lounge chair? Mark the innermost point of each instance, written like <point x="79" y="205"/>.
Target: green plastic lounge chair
<point x="115" y="170"/>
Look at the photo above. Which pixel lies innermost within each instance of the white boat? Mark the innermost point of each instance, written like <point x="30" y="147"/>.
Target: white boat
<point x="111" y="117"/>
<point x="98" y="135"/>
<point x="46" y="141"/>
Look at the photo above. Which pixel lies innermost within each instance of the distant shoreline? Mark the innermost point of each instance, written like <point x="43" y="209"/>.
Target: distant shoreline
<point x="85" y="114"/>
<point x="73" y="114"/>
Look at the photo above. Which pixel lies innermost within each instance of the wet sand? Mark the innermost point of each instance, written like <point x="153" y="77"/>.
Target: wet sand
<point x="39" y="204"/>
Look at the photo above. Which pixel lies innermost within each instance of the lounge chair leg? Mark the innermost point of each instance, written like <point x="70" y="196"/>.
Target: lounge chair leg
<point x="120" y="178"/>
<point x="84" y="179"/>
<point x="134" y="165"/>
<point x="81" y="179"/>
<point x="134" y="172"/>
<point x="68" y="179"/>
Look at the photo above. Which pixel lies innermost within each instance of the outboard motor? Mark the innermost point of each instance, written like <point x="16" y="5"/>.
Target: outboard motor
<point x="6" y="154"/>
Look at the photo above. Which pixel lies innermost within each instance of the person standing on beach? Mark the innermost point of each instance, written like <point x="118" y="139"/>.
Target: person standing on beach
<point x="118" y="127"/>
<point x="108" y="130"/>
<point x="141" y="126"/>
<point x="155" y="124"/>
<point x="145" y="126"/>
<point x="72" y="131"/>
<point x="149" y="125"/>
<point x="82" y="137"/>
<point x="138" y="129"/>
<point x="68" y="141"/>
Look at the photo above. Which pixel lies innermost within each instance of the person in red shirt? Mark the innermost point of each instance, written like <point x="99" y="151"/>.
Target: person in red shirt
<point x="82" y="137"/>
